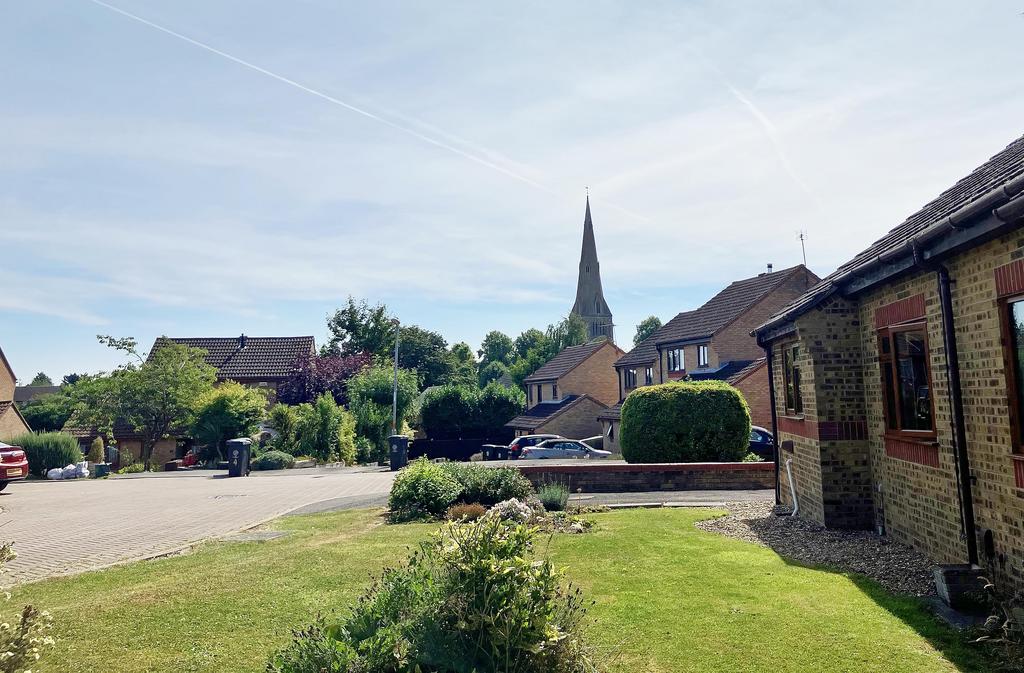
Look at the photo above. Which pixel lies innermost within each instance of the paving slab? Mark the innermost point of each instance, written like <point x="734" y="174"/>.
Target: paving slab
<point x="63" y="528"/>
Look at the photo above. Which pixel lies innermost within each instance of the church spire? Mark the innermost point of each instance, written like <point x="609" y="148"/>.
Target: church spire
<point x="590" y="303"/>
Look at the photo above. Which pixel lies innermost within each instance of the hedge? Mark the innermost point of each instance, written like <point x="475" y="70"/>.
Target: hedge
<point x="274" y="460"/>
<point x="47" y="450"/>
<point x="685" y="422"/>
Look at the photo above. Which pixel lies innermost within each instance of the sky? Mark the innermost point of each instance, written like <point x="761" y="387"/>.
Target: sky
<point x="208" y="168"/>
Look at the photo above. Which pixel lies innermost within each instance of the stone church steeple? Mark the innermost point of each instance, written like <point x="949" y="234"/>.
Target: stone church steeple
<point x="590" y="304"/>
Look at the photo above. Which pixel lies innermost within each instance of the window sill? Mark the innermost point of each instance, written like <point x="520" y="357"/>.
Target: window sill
<point x="924" y="439"/>
<point x="913" y="450"/>
<point x="792" y="417"/>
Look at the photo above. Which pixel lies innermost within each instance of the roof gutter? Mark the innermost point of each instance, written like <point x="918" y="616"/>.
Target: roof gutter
<point x="1004" y="204"/>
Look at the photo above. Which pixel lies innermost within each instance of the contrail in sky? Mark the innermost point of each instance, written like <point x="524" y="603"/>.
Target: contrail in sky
<point x="336" y="101"/>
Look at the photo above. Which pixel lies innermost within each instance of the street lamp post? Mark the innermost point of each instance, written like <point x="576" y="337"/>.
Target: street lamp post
<point x="394" y="391"/>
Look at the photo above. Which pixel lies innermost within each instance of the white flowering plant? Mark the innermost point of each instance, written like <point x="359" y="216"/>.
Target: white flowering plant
<point x="24" y="639"/>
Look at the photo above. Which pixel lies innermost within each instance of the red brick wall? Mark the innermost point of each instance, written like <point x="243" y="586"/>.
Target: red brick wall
<point x="755" y="390"/>
<point x="598" y="477"/>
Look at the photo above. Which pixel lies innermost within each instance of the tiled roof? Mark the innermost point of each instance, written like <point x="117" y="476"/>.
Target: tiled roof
<point x="564" y="362"/>
<point x="1005" y="166"/>
<point x="26" y="393"/>
<point x="541" y="413"/>
<point x="260" y="358"/>
<point x="612" y="413"/>
<point x="4" y="406"/>
<point x="746" y="371"/>
<point x="715" y="314"/>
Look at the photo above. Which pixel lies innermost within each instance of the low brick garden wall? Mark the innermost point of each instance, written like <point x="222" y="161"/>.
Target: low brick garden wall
<point x="595" y="477"/>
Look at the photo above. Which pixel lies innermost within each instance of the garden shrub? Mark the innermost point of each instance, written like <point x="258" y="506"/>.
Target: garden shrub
<point x="488" y="486"/>
<point x="132" y="468"/>
<point x="274" y="460"/>
<point x="96" y="452"/>
<point x="470" y="599"/>
<point x="47" y="450"/>
<point x="23" y="639"/>
<point x="687" y="422"/>
<point x="284" y="420"/>
<point x="422" y="490"/>
<point x="452" y="412"/>
<point x="464" y="512"/>
<point x="553" y="496"/>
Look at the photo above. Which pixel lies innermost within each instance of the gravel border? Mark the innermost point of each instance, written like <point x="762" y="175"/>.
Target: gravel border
<point x="895" y="566"/>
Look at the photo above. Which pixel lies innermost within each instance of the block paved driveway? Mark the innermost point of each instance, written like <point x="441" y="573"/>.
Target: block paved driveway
<point x="62" y="528"/>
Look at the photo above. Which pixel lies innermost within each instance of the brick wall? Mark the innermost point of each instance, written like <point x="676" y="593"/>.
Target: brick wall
<point x="6" y="382"/>
<point x="578" y="421"/>
<point x="595" y="376"/>
<point x="11" y="424"/>
<point x="754" y="388"/>
<point x="610" y="430"/>
<point x="597" y="477"/>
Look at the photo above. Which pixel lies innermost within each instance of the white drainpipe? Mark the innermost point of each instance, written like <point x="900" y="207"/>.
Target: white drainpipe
<point x="792" y="486"/>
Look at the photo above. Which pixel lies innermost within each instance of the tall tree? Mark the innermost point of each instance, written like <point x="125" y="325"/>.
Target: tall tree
<point x="360" y="328"/>
<point x="492" y="371"/>
<point x="531" y="339"/>
<point x="154" y="397"/>
<point x="47" y="413"/>
<point x="71" y="378"/>
<point x="370" y="396"/>
<point x="571" y="331"/>
<point x="41" y="379"/>
<point x="646" y="328"/>
<point x="464" y="365"/>
<point x="318" y="374"/>
<point x="425" y="352"/>
<point x="497" y="347"/>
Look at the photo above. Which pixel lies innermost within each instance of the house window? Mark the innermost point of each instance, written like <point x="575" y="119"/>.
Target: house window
<point x="554" y="391"/>
<point x="648" y="376"/>
<point x="611" y="431"/>
<point x="702" y="355"/>
<point x="529" y="394"/>
<point x="540" y="393"/>
<point x="906" y="380"/>
<point x="1013" y="345"/>
<point x="630" y="379"/>
<point x="675" y="360"/>
<point x="791" y="380"/>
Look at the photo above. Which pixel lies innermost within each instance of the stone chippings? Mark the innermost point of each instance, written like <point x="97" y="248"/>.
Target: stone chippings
<point x="896" y="567"/>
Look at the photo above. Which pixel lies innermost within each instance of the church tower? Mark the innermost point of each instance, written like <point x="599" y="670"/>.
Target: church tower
<point x="590" y="304"/>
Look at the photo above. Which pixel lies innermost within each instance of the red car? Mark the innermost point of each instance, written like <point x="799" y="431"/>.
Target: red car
<point x="13" y="464"/>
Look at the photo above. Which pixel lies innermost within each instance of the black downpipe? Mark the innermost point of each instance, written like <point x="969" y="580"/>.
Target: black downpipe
<point x="957" y="399"/>
<point x="775" y="421"/>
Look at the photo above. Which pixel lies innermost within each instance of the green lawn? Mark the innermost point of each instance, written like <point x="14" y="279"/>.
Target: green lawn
<point x="669" y="598"/>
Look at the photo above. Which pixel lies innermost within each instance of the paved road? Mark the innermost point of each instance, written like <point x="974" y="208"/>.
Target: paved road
<point x="62" y="528"/>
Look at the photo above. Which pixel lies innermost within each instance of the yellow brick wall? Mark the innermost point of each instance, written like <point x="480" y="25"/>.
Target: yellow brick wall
<point x="577" y="422"/>
<point x="595" y="376"/>
<point x="11" y="424"/>
<point x="6" y="382"/>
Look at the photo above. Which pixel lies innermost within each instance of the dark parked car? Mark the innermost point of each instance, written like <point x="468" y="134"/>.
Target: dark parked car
<point x="762" y="443"/>
<point x="562" y="448"/>
<point x="515" y="449"/>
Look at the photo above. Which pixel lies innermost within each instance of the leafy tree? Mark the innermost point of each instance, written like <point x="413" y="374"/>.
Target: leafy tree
<point x="646" y="328"/>
<point x="571" y="331"/>
<point x="325" y="430"/>
<point x="154" y="397"/>
<point x="360" y="328"/>
<point x="48" y="413"/>
<point x="370" y="394"/>
<point x="497" y="347"/>
<point x="425" y="352"/>
<point x="41" y="379"/>
<point x="449" y="412"/>
<point x="531" y="339"/>
<point x="464" y="365"/>
<point x="497" y="406"/>
<point x="71" y="378"/>
<point x="492" y="371"/>
<point x="525" y="366"/>
<point x="228" y="411"/>
<point x="319" y="374"/>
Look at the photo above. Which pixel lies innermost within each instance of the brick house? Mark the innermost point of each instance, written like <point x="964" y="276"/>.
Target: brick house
<point x="566" y="394"/>
<point x="258" y="362"/>
<point x="711" y="342"/>
<point x="12" y="423"/>
<point x="897" y="379"/>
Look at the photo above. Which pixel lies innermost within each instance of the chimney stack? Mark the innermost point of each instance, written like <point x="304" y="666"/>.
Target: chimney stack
<point x="242" y="341"/>
<point x="769" y="267"/>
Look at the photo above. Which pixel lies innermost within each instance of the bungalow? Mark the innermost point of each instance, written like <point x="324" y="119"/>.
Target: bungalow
<point x="898" y="380"/>
<point x="260" y="362"/>
<point x="711" y="342"/>
<point x="12" y="423"/>
<point x="565" y="395"/>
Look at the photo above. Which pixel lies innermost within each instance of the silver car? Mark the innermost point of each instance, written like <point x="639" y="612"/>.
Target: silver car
<point x="562" y="448"/>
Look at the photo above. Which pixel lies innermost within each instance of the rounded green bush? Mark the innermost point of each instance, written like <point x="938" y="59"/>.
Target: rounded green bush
<point x="687" y="422"/>
<point x="488" y="485"/>
<point x="47" y="450"/>
<point x="274" y="460"/>
<point x="422" y="489"/>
